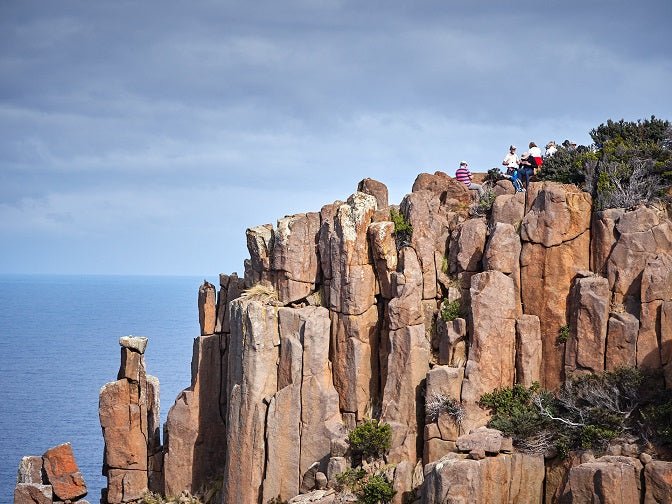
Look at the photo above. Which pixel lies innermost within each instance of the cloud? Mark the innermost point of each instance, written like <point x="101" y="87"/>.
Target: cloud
<point x="124" y="121"/>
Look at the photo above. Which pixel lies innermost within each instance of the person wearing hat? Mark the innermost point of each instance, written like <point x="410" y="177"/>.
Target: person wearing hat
<point x="462" y="174"/>
<point x="512" y="164"/>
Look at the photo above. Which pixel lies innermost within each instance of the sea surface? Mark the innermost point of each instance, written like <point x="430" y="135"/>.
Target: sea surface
<point x="59" y="343"/>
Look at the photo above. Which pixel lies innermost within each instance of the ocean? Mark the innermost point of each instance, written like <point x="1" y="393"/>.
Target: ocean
<point x="59" y="344"/>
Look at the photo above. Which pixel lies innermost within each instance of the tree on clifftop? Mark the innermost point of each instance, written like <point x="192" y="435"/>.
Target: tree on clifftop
<point x="628" y="163"/>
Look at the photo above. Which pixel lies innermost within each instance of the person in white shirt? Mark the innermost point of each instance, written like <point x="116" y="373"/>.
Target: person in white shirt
<point x="551" y="148"/>
<point x="512" y="164"/>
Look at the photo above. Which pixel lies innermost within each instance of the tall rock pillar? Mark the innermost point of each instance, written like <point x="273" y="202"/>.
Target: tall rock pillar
<point x="129" y="417"/>
<point x="556" y="246"/>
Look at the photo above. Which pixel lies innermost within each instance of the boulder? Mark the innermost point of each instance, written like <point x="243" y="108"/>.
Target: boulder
<point x="33" y="493"/>
<point x="607" y="479"/>
<point x="441" y="184"/>
<point x="466" y="246"/>
<point x="376" y="189"/>
<point x="489" y="440"/>
<point x="508" y="209"/>
<point x="63" y="473"/>
<point x="502" y="253"/>
<point x="384" y="251"/>
<point x="260" y="247"/>
<point x="134" y="343"/>
<point x="294" y="256"/>
<point x="505" y="478"/>
<point x="558" y="213"/>
<point x="603" y="237"/>
<point x="30" y="470"/>
<point x="222" y="301"/>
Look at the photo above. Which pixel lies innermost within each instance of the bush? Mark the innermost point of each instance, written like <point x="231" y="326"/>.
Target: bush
<point x="587" y="412"/>
<point x="563" y="334"/>
<point x="451" y="310"/>
<point x="403" y="231"/>
<point x="485" y="201"/>
<point x="440" y="403"/>
<point x="350" y="479"/>
<point x="628" y="163"/>
<point x="376" y="489"/>
<point x="657" y="417"/>
<point x="493" y="176"/>
<point x="371" y="438"/>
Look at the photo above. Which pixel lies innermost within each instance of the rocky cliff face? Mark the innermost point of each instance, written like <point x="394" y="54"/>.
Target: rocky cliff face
<point x="336" y="321"/>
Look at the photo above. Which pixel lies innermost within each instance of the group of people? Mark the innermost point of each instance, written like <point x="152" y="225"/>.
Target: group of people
<point x="518" y="169"/>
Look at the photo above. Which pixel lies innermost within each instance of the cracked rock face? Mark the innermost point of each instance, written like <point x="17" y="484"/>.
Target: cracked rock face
<point x="556" y="241"/>
<point x="355" y="333"/>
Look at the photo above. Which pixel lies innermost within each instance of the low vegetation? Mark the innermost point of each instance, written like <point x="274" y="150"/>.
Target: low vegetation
<point x="440" y="403"/>
<point x="450" y="310"/>
<point x="485" y="201"/>
<point x="403" y="231"/>
<point x="563" y="334"/>
<point x="587" y="412"/>
<point x="628" y="163"/>
<point x="370" y="439"/>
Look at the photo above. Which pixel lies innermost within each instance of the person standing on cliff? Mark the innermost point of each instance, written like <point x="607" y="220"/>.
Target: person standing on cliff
<point x="512" y="164"/>
<point x="462" y="174"/>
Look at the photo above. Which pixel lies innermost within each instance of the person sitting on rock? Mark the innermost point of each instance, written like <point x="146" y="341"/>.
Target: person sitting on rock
<point x="462" y="174"/>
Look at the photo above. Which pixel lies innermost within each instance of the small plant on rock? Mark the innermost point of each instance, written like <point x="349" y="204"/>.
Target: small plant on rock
<point x="451" y="310"/>
<point x="376" y="489"/>
<point x="440" y="403"/>
<point x="403" y="231"/>
<point x="371" y="438"/>
<point x="563" y="334"/>
<point x="485" y="201"/>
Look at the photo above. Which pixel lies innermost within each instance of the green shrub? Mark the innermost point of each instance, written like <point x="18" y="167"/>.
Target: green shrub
<point x="657" y="417"/>
<point x="371" y="438"/>
<point x="514" y="411"/>
<point x="451" y="310"/>
<point x="493" y="176"/>
<point x="376" y="490"/>
<point x="403" y="231"/>
<point x="563" y="334"/>
<point x="485" y="201"/>
<point x="350" y="479"/>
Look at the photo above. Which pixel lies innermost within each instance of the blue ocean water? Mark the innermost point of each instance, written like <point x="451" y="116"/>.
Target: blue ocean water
<point x="59" y="343"/>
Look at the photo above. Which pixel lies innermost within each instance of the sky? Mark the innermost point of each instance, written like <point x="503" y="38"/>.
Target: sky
<point x="144" y="137"/>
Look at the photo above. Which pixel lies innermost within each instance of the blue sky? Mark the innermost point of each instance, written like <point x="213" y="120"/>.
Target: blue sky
<point x="145" y="137"/>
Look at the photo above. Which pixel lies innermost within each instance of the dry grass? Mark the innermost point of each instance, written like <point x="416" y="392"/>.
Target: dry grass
<point x="261" y="292"/>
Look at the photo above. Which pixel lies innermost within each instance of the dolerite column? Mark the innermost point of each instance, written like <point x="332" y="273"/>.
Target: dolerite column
<point x="129" y="417"/>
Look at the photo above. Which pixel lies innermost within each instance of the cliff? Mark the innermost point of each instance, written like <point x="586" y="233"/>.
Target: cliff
<point x="337" y="320"/>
